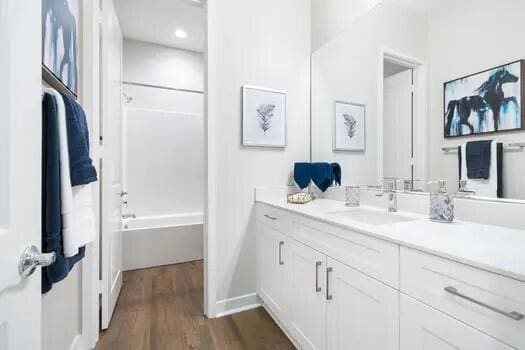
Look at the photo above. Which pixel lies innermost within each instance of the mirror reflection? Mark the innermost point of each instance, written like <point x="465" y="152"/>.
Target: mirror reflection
<point x="416" y="91"/>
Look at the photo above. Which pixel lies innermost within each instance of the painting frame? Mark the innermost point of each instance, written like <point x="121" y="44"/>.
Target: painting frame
<point x="337" y="145"/>
<point x="521" y="109"/>
<point x="61" y="64"/>
<point x="251" y="135"/>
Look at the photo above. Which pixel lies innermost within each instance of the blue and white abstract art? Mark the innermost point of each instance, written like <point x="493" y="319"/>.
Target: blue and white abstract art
<point x="60" y="23"/>
<point x="489" y="101"/>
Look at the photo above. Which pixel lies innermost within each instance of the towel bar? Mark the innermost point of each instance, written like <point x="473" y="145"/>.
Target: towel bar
<point x="507" y="146"/>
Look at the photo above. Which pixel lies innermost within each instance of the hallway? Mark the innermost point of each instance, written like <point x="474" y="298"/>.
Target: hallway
<point x="161" y="308"/>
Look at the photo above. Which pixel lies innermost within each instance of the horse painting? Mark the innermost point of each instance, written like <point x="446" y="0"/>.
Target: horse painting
<point x="489" y="101"/>
<point x="60" y="40"/>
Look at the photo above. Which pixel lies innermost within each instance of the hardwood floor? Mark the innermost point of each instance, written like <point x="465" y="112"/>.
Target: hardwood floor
<point x="161" y="308"/>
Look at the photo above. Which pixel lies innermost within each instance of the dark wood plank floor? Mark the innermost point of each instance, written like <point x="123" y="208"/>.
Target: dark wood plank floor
<point x="161" y="308"/>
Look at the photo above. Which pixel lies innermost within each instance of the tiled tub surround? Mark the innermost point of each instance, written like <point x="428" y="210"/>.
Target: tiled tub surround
<point x="388" y="282"/>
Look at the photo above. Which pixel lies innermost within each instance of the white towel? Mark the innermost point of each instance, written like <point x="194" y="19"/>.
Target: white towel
<point x="482" y="187"/>
<point x="78" y="221"/>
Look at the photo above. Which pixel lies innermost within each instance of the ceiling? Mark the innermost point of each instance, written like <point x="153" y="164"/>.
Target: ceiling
<point x="156" y="21"/>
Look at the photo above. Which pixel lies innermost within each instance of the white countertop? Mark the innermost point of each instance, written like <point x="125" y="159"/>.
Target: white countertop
<point x="493" y="248"/>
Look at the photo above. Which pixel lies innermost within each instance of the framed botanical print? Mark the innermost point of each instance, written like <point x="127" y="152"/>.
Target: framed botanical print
<point x="349" y="127"/>
<point x="263" y="117"/>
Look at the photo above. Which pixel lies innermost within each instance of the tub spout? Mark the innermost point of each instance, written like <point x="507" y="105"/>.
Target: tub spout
<point x="129" y="216"/>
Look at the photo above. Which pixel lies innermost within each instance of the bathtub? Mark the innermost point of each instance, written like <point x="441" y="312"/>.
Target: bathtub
<point x="150" y="241"/>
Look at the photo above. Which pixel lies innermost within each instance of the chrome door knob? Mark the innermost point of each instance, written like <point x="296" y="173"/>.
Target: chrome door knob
<point x="32" y="258"/>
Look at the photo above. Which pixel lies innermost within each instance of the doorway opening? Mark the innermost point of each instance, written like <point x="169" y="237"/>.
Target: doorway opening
<point x="152" y="134"/>
<point x="403" y="120"/>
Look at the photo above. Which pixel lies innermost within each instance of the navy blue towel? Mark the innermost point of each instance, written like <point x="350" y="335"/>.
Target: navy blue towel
<point x="80" y="164"/>
<point x="336" y="173"/>
<point x="322" y="175"/>
<point x="478" y="156"/>
<point x="302" y="174"/>
<point x="51" y="214"/>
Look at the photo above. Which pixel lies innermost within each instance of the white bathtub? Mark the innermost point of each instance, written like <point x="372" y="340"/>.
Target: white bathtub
<point x="148" y="222"/>
<point x="162" y="240"/>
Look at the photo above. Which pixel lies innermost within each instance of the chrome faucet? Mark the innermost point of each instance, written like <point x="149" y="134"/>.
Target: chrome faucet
<point x="389" y="187"/>
<point x="129" y="216"/>
<point x="391" y="190"/>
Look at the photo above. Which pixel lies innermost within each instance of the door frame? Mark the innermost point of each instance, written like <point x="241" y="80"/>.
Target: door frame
<point x="419" y="68"/>
<point x="90" y="97"/>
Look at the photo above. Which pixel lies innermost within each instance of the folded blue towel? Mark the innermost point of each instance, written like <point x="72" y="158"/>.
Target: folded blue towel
<point x="336" y="173"/>
<point x="478" y="155"/>
<point x="81" y="166"/>
<point x="51" y="213"/>
<point x="322" y="175"/>
<point x="302" y="174"/>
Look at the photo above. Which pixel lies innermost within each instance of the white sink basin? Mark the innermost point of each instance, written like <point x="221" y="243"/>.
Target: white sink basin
<point x="370" y="217"/>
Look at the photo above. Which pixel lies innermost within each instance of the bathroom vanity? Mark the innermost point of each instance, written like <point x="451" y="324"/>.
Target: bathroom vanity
<point x="363" y="278"/>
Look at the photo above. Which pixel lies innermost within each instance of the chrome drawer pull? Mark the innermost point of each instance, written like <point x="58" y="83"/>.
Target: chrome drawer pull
<point x="328" y="295"/>
<point x="513" y="314"/>
<point x="270" y="217"/>
<point x="281" y="262"/>
<point x="317" y="266"/>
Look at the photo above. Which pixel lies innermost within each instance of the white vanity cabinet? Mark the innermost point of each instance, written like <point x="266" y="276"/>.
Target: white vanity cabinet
<point x="332" y="288"/>
<point x="319" y="301"/>
<point x="362" y="313"/>
<point x="423" y="328"/>
<point x="306" y="286"/>
<point x="272" y="260"/>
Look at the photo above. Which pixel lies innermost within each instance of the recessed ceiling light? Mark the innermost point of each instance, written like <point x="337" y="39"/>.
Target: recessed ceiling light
<point x="181" y="33"/>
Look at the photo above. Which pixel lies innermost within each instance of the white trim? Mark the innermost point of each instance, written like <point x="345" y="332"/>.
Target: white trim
<point x="89" y="94"/>
<point x="77" y="343"/>
<point x="238" y="304"/>
<point x="211" y="104"/>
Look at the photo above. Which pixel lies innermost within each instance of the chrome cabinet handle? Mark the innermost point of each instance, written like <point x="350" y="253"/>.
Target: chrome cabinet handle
<point x="317" y="266"/>
<point x="270" y="217"/>
<point x="513" y="314"/>
<point x="328" y="295"/>
<point x="32" y="258"/>
<point x="281" y="262"/>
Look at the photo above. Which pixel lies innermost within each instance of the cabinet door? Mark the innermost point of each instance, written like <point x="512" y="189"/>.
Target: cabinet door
<point x="271" y="269"/>
<point x="424" y="328"/>
<point x="307" y="296"/>
<point x="362" y="313"/>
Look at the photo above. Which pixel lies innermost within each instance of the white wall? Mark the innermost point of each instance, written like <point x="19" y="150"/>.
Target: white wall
<point x="331" y="17"/>
<point x="153" y="64"/>
<point x="451" y="56"/>
<point x="164" y="171"/>
<point x="349" y="68"/>
<point x="249" y="45"/>
<point x="164" y="147"/>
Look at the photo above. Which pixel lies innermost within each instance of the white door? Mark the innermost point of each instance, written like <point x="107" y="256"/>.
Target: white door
<point x="423" y="328"/>
<point x="397" y="126"/>
<point x="20" y="171"/>
<point x="272" y="261"/>
<point x="111" y="167"/>
<point x="362" y="312"/>
<point x="306" y="281"/>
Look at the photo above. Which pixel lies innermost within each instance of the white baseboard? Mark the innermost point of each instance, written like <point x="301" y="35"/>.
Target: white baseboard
<point x="238" y="304"/>
<point x="77" y="343"/>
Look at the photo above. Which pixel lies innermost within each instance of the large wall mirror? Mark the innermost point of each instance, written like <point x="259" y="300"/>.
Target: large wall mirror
<point x="411" y="86"/>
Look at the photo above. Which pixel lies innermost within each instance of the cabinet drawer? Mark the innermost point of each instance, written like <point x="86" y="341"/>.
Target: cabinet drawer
<point x="486" y="301"/>
<point x="272" y="217"/>
<point x="373" y="257"/>
<point x="423" y="328"/>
